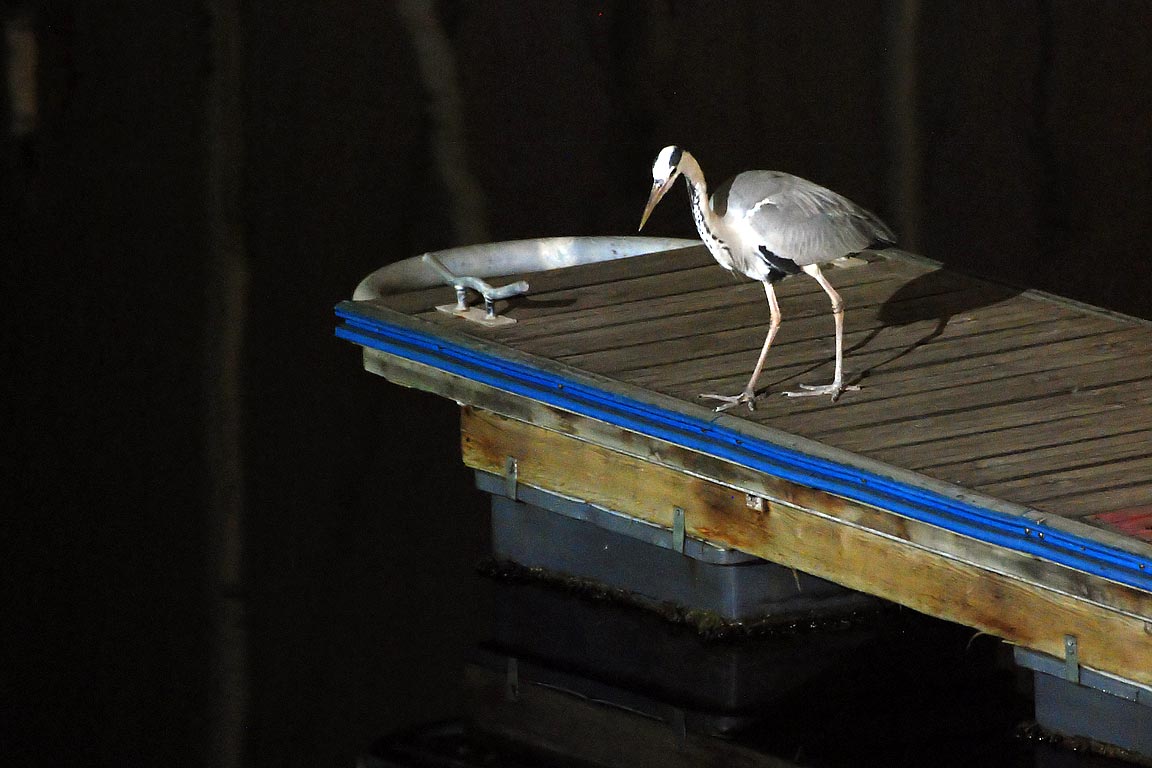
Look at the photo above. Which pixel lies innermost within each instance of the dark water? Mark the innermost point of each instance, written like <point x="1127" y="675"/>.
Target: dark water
<point x="355" y="607"/>
<point x="560" y="678"/>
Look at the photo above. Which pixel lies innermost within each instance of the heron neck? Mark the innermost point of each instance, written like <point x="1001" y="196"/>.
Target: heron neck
<point x="698" y="194"/>
<point x="694" y="176"/>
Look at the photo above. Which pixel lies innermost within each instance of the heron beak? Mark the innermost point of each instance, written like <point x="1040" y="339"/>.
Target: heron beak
<point x="658" y="190"/>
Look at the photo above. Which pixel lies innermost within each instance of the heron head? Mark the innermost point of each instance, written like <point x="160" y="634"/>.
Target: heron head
<point x="665" y="171"/>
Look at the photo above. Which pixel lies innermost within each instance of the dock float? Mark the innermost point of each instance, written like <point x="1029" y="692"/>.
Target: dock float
<point x="994" y="469"/>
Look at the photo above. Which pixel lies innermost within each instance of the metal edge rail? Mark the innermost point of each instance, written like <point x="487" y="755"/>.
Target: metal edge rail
<point x="475" y="262"/>
<point x="751" y="445"/>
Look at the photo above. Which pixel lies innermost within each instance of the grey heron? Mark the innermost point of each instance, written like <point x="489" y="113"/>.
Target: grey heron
<point x="768" y="225"/>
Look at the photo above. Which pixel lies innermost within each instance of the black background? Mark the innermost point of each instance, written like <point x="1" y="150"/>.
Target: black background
<point x="1034" y="131"/>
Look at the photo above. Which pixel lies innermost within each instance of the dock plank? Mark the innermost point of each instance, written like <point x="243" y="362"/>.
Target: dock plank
<point x="1037" y="412"/>
<point x="1081" y="503"/>
<point x="703" y="313"/>
<point x="812" y="321"/>
<point x="998" y="465"/>
<point x="627" y="309"/>
<point x="1034" y="490"/>
<point x="926" y="375"/>
<point x="883" y="356"/>
<point x="1030" y="389"/>
<point x="708" y="332"/>
<point x="1062" y="430"/>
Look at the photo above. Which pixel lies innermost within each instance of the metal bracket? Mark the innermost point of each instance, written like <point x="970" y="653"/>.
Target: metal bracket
<point x="678" y="532"/>
<point x="461" y="283"/>
<point x="511" y="477"/>
<point x="1071" y="659"/>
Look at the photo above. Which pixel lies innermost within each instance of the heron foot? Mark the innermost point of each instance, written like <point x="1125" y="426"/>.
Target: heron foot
<point x="834" y="389"/>
<point x="747" y="397"/>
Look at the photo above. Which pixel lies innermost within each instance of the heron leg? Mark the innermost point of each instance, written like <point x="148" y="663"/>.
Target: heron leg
<point x="837" y="387"/>
<point x="748" y="396"/>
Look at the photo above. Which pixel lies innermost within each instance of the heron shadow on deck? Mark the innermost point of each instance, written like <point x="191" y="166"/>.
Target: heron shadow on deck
<point x="934" y="296"/>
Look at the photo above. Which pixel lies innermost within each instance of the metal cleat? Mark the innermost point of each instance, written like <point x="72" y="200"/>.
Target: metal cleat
<point x="462" y="283"/>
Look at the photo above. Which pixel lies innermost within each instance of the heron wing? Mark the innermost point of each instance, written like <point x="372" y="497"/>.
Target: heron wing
<point x="797" y="219"/>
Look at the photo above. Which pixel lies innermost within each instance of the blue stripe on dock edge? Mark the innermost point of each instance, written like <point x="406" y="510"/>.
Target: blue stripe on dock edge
<point x="926" y="506"/>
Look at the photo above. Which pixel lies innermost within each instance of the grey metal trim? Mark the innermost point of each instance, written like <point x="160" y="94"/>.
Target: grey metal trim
<point x="613" y="521"/>
<point x="1102" y="707"/>
<point x="651" y="575"/>
<point x="1113" y="685"/>
<point x="509" y="258"/>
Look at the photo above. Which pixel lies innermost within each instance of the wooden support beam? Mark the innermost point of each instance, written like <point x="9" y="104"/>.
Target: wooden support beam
<point x="1021" y="599"/>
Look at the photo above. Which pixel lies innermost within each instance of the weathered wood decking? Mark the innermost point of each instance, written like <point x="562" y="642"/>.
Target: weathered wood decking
<point x="1022" y="397"/>
<point x="988" y="420"/>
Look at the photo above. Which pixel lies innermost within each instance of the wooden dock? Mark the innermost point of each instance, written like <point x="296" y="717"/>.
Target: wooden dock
<point x="995" y="469"/>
